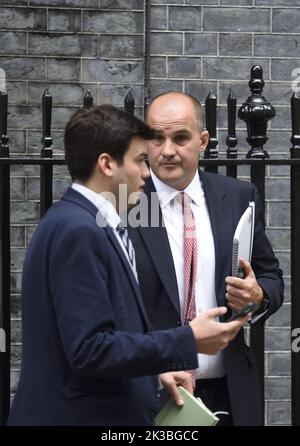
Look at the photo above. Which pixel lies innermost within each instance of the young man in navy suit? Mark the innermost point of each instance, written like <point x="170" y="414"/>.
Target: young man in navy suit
<point x="89" y="354"/>
<point x="228" y="380"/>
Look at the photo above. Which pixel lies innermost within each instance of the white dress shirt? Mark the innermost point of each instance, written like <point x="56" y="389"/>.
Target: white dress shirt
<point x="210" y="366"/>
<point x="108" y="212"/>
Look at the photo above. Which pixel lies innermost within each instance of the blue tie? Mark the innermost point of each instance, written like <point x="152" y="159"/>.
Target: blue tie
<point x="123" y="233"/>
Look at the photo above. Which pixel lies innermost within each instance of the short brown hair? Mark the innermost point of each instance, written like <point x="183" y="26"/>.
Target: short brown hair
<point x="100" y="129"/>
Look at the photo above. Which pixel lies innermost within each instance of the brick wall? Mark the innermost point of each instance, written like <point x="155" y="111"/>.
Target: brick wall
<point x="196" y="46"/>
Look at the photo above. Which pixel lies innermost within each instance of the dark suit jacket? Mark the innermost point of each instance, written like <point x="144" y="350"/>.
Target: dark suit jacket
<point x="87" y="358"/>
<point x="226" y="199"/>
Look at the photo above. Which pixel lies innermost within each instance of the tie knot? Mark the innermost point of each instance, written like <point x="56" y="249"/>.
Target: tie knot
<point x="121" y="230"/>
<point x="185" y="200"/>
<point x="123" y="233"/>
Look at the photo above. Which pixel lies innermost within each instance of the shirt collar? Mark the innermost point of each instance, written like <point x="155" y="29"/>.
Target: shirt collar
<point x="167" y="193"/>
<point x="106" y="208"/>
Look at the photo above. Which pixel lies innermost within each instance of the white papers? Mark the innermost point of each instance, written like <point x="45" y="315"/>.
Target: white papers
<point x="243" y="239"/>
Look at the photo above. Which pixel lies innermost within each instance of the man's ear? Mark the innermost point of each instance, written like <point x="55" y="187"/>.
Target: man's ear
<point x="105" y="165"/>
<point x="204" y="137"/>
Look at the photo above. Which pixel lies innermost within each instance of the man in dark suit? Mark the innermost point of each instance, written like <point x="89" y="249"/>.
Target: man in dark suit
<point x="228" y="380"/>
<point x="89" y="356"/>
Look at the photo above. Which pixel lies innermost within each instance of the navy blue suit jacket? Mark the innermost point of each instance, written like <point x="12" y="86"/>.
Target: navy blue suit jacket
<point x="88" y="354"/>
<point x="226" y="199"/>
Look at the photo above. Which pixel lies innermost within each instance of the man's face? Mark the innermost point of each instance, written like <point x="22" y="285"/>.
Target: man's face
<point x="174" y="154"/>
<point x="134" y="170"/>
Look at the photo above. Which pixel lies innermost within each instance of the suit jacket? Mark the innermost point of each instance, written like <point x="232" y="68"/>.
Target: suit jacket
<point x="226" y="199"/>
<point x="88" y="354"/>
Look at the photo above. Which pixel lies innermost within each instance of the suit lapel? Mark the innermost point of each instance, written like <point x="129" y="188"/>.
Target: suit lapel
<point x="129" y="272"/>
<point x="221" y="219"/>
<point x="157" y="242"/>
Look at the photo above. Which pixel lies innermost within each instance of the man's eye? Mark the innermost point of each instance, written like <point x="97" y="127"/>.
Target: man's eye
<point x="159" y="138"/>
<point x="180" y="138"/>
<point x="143" y="159"/>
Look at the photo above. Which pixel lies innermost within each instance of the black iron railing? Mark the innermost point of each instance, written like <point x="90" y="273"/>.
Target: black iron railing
<point x="256" y="111"/>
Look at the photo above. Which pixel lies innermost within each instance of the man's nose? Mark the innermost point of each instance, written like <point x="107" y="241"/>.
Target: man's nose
<point x="145" y="171"/>
<point x="168" y="149"/>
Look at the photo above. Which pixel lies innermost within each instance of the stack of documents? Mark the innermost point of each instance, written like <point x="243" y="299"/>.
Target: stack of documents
<point x="192" y="413"/>
<point x="243" y="239"/>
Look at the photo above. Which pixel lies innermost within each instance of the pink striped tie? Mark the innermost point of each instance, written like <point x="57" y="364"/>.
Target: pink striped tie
<point x="190" y="265"/>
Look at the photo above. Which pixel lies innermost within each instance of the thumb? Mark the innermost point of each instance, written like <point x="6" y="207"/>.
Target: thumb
<point x="175" y="395"/>
<point x="247" y="267"/>
<point x="217" y="311"/>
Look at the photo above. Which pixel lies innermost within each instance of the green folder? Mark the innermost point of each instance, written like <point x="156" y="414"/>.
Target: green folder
<point x="192" y="413"/>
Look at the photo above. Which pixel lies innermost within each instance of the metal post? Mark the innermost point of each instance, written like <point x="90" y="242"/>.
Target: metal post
<point x="46" y="152"/>
<point x="295" y="257"/>
<point x="256" y="112"/>
<point x="88" y="99"/>
<point x="4" y="266"/>
<point x="231" y="139"/>
<point x="129" y="103"/>
<point x="211" y="151"/>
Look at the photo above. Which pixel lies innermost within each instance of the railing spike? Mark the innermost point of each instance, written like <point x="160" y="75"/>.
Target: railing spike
<point x="129" y="103"/>
<point x="88" y="99"/>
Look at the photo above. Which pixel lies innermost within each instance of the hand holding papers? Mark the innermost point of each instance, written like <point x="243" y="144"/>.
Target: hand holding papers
<point x="243" y="240"/>
<point x="192" y="413"/>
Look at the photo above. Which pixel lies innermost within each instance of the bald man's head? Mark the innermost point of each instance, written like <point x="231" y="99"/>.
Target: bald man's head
<point x="177" y="120"/>
<point x="174" y="96"/>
